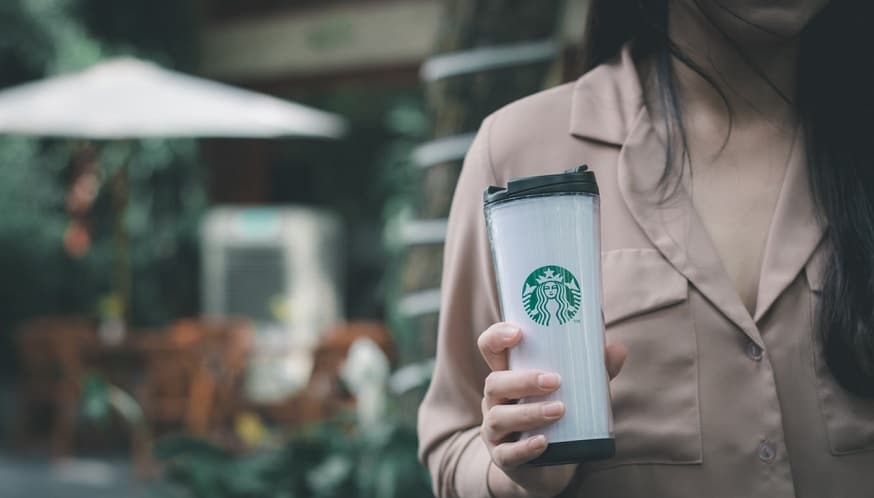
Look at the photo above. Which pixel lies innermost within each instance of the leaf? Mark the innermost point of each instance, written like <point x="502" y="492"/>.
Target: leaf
<point x="95" y="403"/>
<point x="188" y="446"/>
<point x="330" y="475"/>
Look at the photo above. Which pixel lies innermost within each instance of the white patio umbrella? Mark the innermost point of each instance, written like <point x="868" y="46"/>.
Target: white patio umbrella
<point x="129" y="98"/>
<point x="126" y="98"/>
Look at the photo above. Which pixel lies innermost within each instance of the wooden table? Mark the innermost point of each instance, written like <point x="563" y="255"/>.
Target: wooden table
<point x="185" y="377"/>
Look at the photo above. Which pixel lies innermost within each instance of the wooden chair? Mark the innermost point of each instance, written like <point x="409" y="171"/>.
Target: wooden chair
<point x="53" y="352"/>
<point x="171" y="363"/>
<point x="216" y="390"/>
<point x="193" y="374"/>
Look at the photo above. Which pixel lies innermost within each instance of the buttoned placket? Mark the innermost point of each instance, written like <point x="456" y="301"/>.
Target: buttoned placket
<point x="675" y="229"/>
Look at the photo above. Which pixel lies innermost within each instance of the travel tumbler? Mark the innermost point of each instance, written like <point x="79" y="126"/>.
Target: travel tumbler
<point x="544" y="233"/>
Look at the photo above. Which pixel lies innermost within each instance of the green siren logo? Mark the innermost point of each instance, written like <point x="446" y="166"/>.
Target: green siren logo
<point x="551" y="291"/>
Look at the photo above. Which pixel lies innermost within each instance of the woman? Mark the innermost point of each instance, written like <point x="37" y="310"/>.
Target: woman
<point x="730" y="142"/>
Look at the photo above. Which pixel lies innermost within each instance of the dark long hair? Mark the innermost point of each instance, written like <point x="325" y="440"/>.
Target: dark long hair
<point x="835" y="101"/>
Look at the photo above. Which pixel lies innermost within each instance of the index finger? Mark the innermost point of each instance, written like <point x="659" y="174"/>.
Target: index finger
<point x="494" y="343"/>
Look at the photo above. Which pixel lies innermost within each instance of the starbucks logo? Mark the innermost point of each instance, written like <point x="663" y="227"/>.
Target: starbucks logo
<point x="551" y="292"/>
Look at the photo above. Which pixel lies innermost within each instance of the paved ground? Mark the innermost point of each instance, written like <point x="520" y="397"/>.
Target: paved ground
<point x="35" y="478"/>
<point x="42" y="478"/>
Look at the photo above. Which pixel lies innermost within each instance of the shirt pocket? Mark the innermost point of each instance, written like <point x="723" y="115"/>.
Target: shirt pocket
<point x="848" y="419"/>
<point x="655" y="397"/>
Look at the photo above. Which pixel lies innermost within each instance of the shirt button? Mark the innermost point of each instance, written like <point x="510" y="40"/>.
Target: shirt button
<point x="754" y="352"/>
<point x="767" y="451"/>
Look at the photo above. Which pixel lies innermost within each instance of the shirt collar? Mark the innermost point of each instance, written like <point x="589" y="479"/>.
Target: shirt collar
<point x="606" y="101"/>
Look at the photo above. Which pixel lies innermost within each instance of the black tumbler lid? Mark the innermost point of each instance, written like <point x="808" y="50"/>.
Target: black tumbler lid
<point x="572" y="181"/>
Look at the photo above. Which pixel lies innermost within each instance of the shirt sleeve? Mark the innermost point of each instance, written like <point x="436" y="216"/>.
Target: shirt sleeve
<point x="451" y="413"/>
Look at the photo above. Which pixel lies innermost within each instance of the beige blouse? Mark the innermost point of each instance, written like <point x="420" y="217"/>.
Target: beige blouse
<point x="711" y="402"/>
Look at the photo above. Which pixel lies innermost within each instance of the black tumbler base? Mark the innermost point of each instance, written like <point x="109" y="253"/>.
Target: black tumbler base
<point x="575" y="452"/>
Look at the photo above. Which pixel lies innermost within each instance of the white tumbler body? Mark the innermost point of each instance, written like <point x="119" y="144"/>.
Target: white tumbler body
<point x="547" y="258"/>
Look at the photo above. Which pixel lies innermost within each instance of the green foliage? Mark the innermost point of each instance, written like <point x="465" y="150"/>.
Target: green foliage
<point x="100" y="399"/>
<point x="327" y="460"/>
<point x="95" y="403"/>
<point x="46" y="37"/>
<point x="409" y="122"/>
<point x="161" y="30"/>
<point x="42" y="37"/>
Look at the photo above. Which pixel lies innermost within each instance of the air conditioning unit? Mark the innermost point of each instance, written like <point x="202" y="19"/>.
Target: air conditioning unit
<point x="281" y="269"/>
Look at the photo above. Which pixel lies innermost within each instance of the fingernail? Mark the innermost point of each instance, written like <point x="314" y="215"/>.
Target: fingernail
<point x="537" y="442"/>
<point x="509" y="333"/>
<point x="553" y="410"/>
<point x="548" y="380"/>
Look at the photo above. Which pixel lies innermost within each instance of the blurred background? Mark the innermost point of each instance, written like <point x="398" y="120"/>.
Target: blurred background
<point x="221" y="228"/>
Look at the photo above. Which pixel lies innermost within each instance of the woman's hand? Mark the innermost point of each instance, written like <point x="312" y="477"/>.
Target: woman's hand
<point x="503" y="419"/>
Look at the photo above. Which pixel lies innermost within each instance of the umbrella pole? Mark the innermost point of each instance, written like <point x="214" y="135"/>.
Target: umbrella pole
<point x="123" y="277"/>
